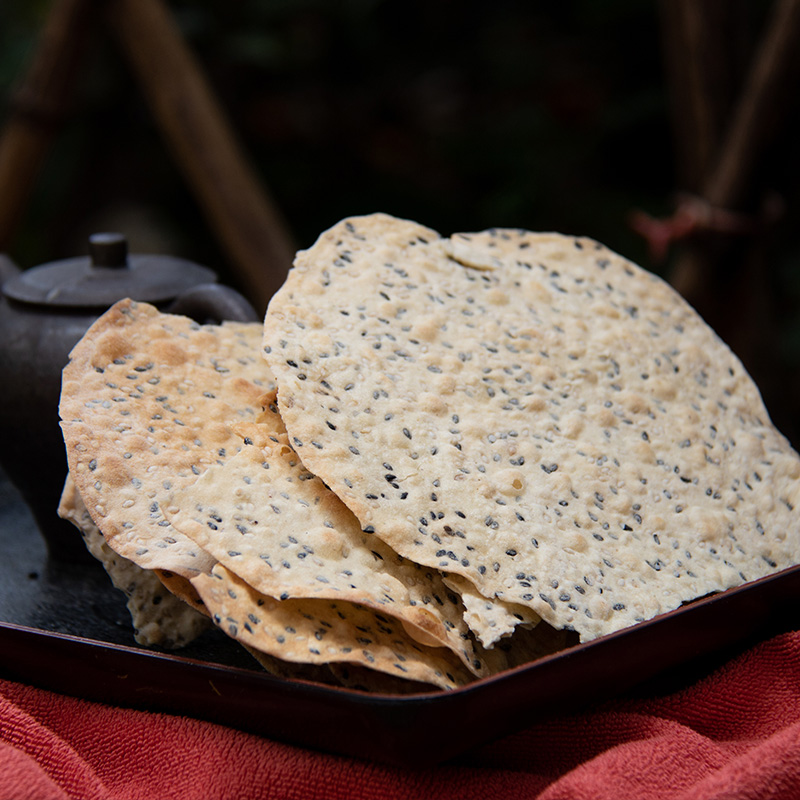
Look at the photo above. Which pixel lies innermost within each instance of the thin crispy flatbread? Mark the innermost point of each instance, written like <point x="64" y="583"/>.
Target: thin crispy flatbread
<point x="159" y="618"/>
<point x="324" y="632"/>
<point x="148" y="403"/>
<point x="534" y="413"/>
<point x="266" y="518"/>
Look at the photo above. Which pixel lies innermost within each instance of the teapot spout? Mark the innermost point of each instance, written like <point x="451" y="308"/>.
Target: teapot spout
<point x="8" y="269"/>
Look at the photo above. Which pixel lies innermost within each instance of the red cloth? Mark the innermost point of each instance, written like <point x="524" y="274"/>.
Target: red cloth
<point x="733" y="735"/>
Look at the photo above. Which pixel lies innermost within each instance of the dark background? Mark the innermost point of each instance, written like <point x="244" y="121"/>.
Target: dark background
<point x="463" y="116"/>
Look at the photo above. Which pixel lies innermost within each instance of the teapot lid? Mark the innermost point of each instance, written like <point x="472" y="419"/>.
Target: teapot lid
<point x="108" y="274"/>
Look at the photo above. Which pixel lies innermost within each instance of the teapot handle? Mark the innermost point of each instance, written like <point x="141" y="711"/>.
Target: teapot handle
<point x="214" y="303"/>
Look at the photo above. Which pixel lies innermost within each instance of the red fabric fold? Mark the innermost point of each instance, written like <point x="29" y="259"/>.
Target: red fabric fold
<point x="732" y="735"/>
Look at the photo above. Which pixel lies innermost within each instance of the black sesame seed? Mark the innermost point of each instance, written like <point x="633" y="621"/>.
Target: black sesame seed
<point x="547" y="600"/>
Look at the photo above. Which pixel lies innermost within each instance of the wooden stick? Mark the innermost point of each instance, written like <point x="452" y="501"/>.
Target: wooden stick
<point x="767" y="95"/>
<point x="236" y="205"/>
<point x="700" y="40"/>
<point x="38" y="106"/>
<point x="764" y="99"/>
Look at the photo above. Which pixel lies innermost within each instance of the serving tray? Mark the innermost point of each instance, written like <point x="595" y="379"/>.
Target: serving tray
<point x="63" y="627"/>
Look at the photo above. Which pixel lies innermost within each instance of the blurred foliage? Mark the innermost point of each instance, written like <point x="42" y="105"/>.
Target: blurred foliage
<point x="545" y="115"/>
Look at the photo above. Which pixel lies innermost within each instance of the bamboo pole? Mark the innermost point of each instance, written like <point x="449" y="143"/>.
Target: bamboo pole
<point x="237" y="207"/>
<point x="727" y="180"/>
<point x="38" y="107"/>
<point x="700" y="81"/>
<point x="768" y="93"/>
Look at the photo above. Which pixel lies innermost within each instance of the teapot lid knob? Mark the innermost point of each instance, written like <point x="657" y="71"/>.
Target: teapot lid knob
<point x="108" y="250"/>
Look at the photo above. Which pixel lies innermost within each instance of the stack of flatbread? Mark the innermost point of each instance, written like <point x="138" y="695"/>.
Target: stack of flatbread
<point x="438" y="458"/>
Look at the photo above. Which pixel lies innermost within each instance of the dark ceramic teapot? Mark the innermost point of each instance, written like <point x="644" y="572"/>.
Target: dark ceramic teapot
<point x="44" y="311"/>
